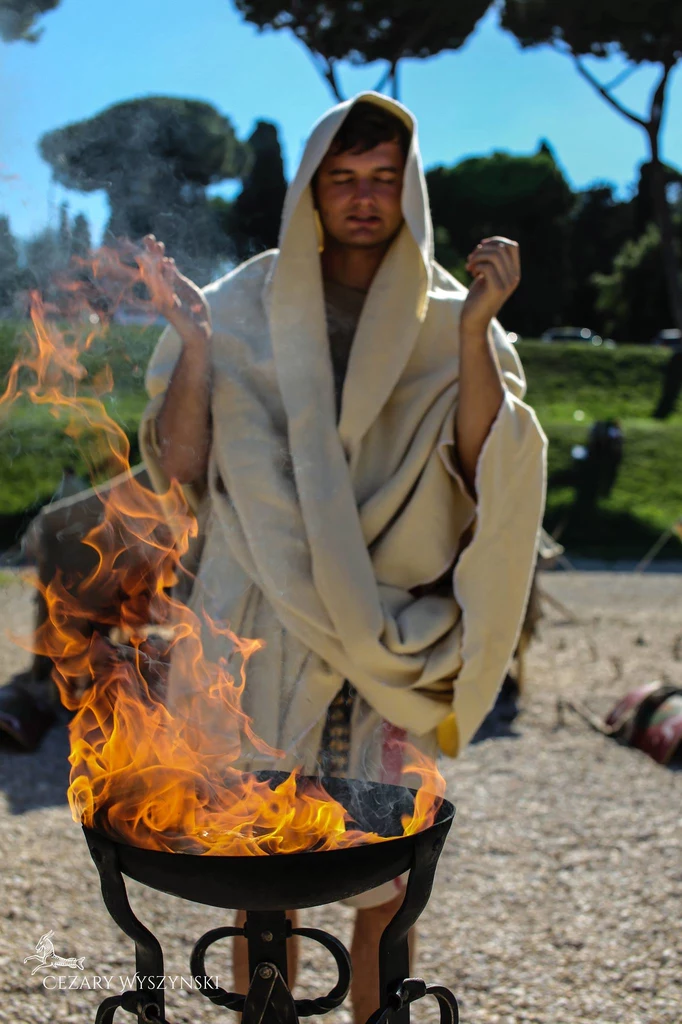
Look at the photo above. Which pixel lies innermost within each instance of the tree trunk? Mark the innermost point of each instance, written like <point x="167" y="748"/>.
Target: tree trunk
<point x="330" y="78"/>
<point x="395" y="85"/>
<point x="669" y="249"/>
<point x="672" y="264"/>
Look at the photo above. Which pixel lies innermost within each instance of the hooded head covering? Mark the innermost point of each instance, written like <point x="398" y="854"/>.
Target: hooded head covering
<point x="299" y="230"/>
<point x="398" y="299"/>
<point x="326" y="538"/>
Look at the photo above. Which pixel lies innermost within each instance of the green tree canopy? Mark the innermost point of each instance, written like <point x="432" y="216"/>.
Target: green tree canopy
<point x="183" y="141"/>
<point x="9" y="264"/>
<point x="362" y="32"/>
<point x="81" y="239"/>
<point x="643" y="206"/>
<point x="522" y="197"/>
<point x="154" y="158"/>
<point x="254" y="218"/>
<point x="638" y="32"/>
<point x="45" y="260"/>
<point x="599" y="225"/>
<point x="48" y="255"/>
<point x="18" y="18"/>
<point x="632" y="298"/>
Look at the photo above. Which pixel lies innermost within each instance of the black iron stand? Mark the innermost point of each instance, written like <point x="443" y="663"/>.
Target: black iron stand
<point x="269" y="999"/>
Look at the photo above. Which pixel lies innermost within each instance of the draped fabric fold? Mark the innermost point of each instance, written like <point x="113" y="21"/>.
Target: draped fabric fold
<point x="327" y="538"/>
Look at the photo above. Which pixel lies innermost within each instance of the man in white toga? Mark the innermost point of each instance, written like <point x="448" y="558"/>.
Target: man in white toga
<point x="347" y="420"/>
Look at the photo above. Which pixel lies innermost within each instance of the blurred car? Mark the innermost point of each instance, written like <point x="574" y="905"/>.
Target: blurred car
<point x="137" y="317"/>
<point x="583" y="334"/>
<point x="670" y="338"/>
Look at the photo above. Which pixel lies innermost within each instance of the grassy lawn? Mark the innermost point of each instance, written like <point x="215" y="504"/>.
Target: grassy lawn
<point x="622" y="383"/>
<point x="34" y="447"/>
<point x="570" y="386"/>
<point x="646" y="499"/>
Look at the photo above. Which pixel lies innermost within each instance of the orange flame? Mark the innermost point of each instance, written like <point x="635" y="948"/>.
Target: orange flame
<point x="151" y="778"/>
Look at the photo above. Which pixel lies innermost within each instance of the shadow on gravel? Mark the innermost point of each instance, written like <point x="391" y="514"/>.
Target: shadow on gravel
<point x="604" y="533"/>
<point x="39" y="779"/>
<point x="496" y="730"/>
<point x="499" y="723"/>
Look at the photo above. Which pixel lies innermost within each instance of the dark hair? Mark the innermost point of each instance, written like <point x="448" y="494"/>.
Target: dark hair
<point x="368" y="125"/>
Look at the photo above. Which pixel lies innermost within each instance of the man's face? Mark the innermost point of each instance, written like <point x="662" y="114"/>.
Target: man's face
<point x="358" y="195"/>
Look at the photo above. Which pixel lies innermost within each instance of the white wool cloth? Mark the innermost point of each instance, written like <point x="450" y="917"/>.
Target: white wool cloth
<point x="322" y="536"/>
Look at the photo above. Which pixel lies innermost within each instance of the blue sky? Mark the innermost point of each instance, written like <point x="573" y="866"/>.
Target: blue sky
<point x="489" y="95"/>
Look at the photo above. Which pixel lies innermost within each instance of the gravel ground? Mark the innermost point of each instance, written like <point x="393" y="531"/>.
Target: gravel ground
<point x="559" y="895"/>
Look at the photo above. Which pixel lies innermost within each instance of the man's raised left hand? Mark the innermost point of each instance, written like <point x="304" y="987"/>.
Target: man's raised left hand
<point x="495" y="264"/>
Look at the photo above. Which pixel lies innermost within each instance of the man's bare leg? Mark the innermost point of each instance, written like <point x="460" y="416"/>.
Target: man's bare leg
<point x="364" y="951"/>
<point x="240" y="954"/>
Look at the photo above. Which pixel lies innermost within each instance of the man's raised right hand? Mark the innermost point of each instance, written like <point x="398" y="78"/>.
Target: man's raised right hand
<point x="176" y="298"/>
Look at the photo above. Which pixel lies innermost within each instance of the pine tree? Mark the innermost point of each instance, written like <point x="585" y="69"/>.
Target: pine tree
<point x="256" y="212"/>
<point x="44" y="261"/>
<point x="9" y="265"/>
<point x="64" y="234"/>
<point x="81" y="238"/>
